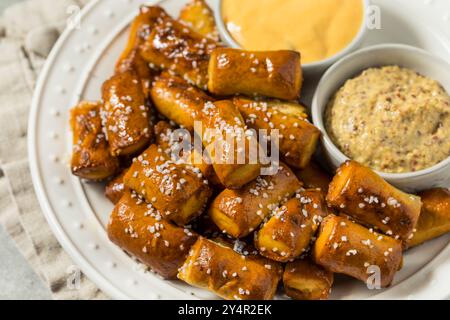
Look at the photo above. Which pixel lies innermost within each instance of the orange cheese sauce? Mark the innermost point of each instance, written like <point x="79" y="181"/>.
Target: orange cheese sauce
<point x="318" y="29"/>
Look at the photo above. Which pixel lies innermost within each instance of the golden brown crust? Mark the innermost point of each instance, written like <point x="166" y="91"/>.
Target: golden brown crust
<point x="305" y="280"/>
<point x="136" y="63"/>
<point x="298" y="137"/>
<point x="365" y="196"/>
<point x="240" y="212"/>
<point x="138" y="229"/>
<point x="197" y="15"/>
<point x="166" y="139"/>
<point x="172" y="45"/>
<point x="228" y="274"/>
<point x="140" y="30"/>
<point x="115" y="189"/>
<point x="314" y="177"/>
<point x="289" y="232"/>
<point x="179" y="192"/>
<point x="177" y="100"/>
<point x="346" y="247"/>
<point x="205" y="168"/>
<point x="125" y="114"/>
<point x="131" y="59"/>
<point x="223" y="130"/>
<point x="91" y="158"/>
<point x="274" y="74"/>
<point x="434" y="219"/>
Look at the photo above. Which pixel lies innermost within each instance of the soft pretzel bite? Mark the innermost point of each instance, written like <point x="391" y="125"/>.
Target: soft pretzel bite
<point x="125" y="114"/>
<point x="115" y="189"/>
<point x="240" y="212"/>
<point x="138" y="229"/>
<point x="314" y="177"/>
<point x="434" y="219"/>
<point x="91" y="158"/>
<point x="276" y="74"/>
<point x="179" y="192"/>
<point x="164" y="137"/>
<point x="205" y="168"/>
<point x="172" y="45"/>
<point x="178" y="100"/>
<point x="362" y="194"/>
<point x="200" y="18"/>
<point x="131" y="59"/>
<point x="166" y="140"/>
<point x="298" y="137"/>
<point x="305" y="280"/>
<point x="134" y="62"/>
<point x="223" y="136"/>
<point x="343" y="246"/>
<point x="289" y="232"/>
<point x="228" y="274"/>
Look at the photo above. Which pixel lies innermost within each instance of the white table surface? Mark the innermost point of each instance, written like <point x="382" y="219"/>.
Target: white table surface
<point x="6" y="3"/>
<point x="17" y="279"/>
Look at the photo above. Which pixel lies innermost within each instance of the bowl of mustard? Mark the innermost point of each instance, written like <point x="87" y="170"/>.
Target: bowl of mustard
<point x="388" y="107"/>
<point x="323" y="31"/>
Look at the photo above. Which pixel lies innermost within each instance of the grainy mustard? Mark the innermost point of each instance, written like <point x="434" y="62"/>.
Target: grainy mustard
<point x="391" y="119"/>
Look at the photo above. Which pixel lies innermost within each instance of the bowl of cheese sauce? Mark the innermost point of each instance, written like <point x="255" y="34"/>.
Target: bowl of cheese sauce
<point x="323" y="31"/>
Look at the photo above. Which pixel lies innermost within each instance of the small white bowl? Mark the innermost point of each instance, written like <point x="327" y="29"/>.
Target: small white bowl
<point x="308" y="68"/>
<point x="377" y="56"/>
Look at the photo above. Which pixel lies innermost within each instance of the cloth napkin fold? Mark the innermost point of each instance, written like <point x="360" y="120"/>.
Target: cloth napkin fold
<point x="28" y="30"/>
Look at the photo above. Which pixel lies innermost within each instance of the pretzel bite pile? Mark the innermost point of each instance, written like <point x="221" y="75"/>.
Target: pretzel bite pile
<point x="225" y="226"/>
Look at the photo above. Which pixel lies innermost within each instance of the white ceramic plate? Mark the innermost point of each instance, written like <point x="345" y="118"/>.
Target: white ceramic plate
<point x="77" y="212"/>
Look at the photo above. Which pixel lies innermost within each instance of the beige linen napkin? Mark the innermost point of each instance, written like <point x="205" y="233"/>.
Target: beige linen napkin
<point x="27" y="32"/>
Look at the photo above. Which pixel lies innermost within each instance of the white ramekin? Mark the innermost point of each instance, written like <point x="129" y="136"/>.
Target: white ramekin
<point x="376" y="56"/>
<point x="308" y="68"/>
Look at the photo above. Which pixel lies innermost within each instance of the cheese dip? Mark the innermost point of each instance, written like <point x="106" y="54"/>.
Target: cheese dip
<point x="391" y="119"/>
<point x="318" y="29"/>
